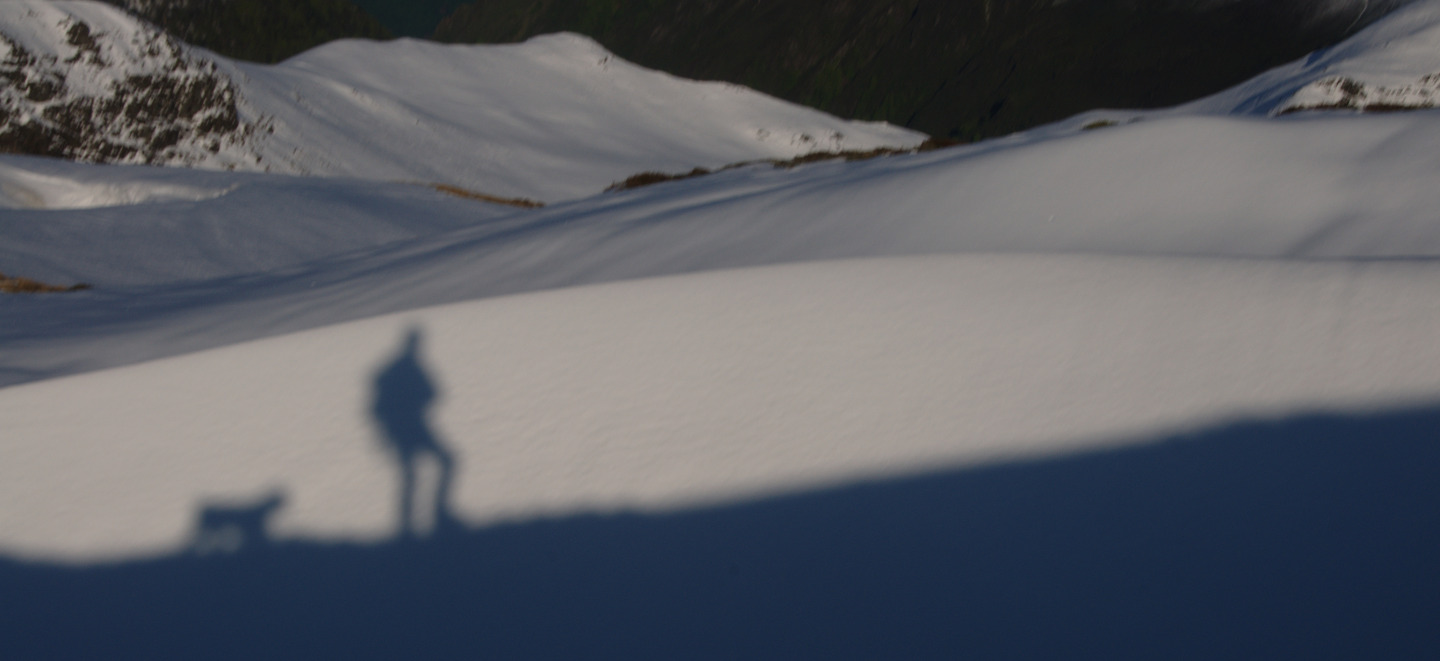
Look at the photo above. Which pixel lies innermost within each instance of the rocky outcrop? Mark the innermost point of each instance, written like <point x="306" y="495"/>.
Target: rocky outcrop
<point x="1343" y="93"/>
<point x="117" y="92"/>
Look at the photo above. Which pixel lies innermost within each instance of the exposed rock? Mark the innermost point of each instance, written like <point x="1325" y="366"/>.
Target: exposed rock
<point x="1341" y="93"/>
<point x="128" y="94"/>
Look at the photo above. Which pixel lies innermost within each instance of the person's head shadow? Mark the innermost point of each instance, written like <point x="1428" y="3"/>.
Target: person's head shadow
<point x="402" y="396"/>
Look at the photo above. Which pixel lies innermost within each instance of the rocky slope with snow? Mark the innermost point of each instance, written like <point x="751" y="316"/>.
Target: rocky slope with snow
<point x="553" y="119"/>
<point x="1391" y="65"/>
<point x="84" y="82"/>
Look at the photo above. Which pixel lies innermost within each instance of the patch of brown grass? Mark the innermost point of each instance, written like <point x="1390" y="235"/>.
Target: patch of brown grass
<point x="1344" y="104"/>
<point x="1347" y="105"/>
<point x="482" y="197"/>
<point x="651" y="178"/>
<point x="1395" y="107"/>
<point x="9" y="285"/>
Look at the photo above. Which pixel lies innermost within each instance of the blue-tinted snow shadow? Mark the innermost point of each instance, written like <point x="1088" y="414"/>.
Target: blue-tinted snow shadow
<point x="1316" y="537"/>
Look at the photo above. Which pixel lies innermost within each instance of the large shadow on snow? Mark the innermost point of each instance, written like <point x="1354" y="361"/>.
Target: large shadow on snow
<point x="403" y="393"/>
<point x="1316" y="537"/>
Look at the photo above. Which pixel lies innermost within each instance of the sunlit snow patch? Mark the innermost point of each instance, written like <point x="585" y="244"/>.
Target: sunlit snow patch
<point x="20" y="189"/>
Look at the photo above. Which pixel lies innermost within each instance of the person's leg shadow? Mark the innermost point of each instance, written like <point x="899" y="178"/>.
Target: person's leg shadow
<point x="402" y="397"/>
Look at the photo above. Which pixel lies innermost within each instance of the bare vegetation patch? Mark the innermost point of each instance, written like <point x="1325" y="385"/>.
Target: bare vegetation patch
<point x="650" y="178"/>
<point x="468" y="194"/>
<point x="930" y="144"/>
<point x="9" y="285"/>
<point x="1347" y="94"/>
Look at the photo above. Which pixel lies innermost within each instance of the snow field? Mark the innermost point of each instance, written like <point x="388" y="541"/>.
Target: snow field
<point x="1123" y="387"/>
<point x="752" y="333"/>
<point x="132" y="226"/>
<point x="663" y="393"/>
<point x="320" y="253"/>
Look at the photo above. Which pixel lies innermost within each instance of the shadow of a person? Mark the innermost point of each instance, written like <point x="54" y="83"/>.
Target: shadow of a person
<point x="403" y="395"/>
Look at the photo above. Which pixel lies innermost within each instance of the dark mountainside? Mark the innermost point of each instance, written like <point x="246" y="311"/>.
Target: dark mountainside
<point x="258" y="30"/>
<point x="959" y="69"/>
<point x="963" y="69"/>
<point x="409" y="18"/>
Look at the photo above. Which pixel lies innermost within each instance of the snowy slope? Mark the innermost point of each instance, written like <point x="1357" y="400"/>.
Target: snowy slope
<point x="667" y="393"/>
<point x="1341" y="187"/>
<point x="1175" y="184"/>
<point x="1124" y="387"/>
<point x="552" y="119"/>
<point x="125" y="225"/>
<point x="1389" y="65"/>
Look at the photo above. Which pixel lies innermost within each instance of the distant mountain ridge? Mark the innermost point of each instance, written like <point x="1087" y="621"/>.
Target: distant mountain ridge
<point x="965" y="69"/>
<point x="554" y="119"/>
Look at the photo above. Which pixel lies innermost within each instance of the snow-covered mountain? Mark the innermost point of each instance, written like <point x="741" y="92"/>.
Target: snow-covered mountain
<point x="1392" y="65"/>
<point x="1126" y="387"/>
<point x="553" y="119"/>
